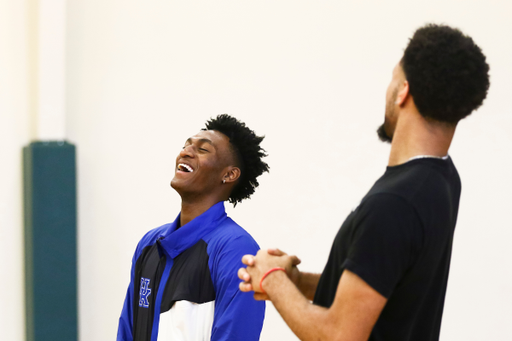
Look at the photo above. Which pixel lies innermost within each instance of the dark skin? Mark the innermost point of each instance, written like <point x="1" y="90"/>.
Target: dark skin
<point x="205" y="173"/>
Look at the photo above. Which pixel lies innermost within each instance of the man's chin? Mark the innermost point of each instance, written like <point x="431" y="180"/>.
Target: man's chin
<point x="175" y="183"/>
<point x="383" y="136"/>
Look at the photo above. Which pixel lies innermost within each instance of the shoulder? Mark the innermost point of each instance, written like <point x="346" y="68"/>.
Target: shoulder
<point x="230" y="235"/>
<point x="423" y="179"/>
<point x="150" y="238"/>
<point x="229" y="242"/>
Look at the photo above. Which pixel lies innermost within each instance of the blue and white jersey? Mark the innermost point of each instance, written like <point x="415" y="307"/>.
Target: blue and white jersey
<point x="184" y="283"/>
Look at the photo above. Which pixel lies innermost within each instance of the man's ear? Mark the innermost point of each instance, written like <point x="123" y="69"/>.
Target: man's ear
<point x="403" y="94"/>
<point x="231" y="174"/>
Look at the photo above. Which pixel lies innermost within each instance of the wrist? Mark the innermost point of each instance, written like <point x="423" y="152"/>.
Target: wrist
<point x="298" y="279"/>
<point x="268" y="277"/>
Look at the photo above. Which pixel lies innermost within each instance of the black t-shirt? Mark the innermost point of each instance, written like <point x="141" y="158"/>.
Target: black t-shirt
<point x="399" y="241"/>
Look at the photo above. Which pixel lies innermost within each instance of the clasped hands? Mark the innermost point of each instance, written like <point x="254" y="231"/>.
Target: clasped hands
<point x="258" y="265"/>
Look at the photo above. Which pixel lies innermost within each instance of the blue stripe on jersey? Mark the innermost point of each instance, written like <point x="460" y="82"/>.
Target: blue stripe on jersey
<point x="163" y="281"/>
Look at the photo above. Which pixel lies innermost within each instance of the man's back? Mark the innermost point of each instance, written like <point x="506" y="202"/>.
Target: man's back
<point x="399" y="241"/>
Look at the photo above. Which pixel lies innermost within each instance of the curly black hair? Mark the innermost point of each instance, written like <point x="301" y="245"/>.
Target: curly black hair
<point x="447" y="73"/>
<point x="245" y="145"/>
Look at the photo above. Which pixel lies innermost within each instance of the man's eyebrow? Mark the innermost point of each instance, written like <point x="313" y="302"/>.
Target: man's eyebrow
<point x="203" y="140"/>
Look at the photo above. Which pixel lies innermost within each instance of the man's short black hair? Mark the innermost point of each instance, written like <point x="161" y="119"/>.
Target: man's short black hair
<point x="247" y="151"/>
<point x="447" y="73"/>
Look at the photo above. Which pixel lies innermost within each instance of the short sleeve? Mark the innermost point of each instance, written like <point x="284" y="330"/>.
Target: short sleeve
<point x="386" y="241"/>
<point x="237" y="315"/>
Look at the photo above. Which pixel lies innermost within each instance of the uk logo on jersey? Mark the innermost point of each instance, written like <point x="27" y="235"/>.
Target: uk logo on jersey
<point x="144" y="292"/>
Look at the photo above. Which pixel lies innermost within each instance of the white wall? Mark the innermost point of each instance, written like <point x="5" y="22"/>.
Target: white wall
<point x="14" y="134"/>
<point x="142" y="76"/>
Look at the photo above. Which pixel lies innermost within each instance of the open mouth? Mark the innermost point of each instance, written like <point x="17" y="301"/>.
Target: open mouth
<point x="185" y="168"/>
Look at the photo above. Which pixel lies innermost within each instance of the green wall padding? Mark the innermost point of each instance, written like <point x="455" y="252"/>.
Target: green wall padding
<point x="50" y="241"/>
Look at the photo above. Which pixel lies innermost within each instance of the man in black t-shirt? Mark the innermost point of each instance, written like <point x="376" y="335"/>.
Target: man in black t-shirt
<point x="386" y="275"/>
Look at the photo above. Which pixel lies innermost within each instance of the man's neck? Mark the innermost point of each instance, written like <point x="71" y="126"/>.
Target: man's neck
<point x="190" y="209"/>
<point x="414" y="135"/>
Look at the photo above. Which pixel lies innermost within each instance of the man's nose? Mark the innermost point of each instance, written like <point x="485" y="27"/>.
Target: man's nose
<point x="187" y="151"/>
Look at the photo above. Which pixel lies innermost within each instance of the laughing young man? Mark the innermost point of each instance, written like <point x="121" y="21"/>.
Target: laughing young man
<point x="386" y="276"/>
<point x="184" y="284"/>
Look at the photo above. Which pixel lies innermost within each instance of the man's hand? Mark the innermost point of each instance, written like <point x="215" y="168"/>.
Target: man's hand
<point x="352" y="315"/>
<point x="258" y="265"/>
<point x="293" y="273"/>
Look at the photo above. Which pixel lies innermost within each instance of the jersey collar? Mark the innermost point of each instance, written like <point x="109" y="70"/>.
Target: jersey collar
<point x="175" y="241"/>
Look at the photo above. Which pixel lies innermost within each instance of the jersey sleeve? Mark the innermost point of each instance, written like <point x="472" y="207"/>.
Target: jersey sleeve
<point x="386" y="242"/>
<point x="124" y="330"/>
<point x="237" y="315"/>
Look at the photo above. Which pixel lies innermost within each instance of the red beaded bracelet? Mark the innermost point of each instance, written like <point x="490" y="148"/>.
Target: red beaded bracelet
<point x="266" y="274"/>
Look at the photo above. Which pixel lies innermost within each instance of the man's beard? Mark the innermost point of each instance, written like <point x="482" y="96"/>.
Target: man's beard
<point x="381" y="132"/>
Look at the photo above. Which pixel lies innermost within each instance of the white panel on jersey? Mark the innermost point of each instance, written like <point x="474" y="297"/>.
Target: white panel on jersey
<point x="187" y="321"/>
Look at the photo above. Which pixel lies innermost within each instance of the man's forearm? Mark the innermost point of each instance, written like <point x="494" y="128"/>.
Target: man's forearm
<point x="307" y="283"/>
<point x="307" y="321"/>
<point x="351" y="316"/>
